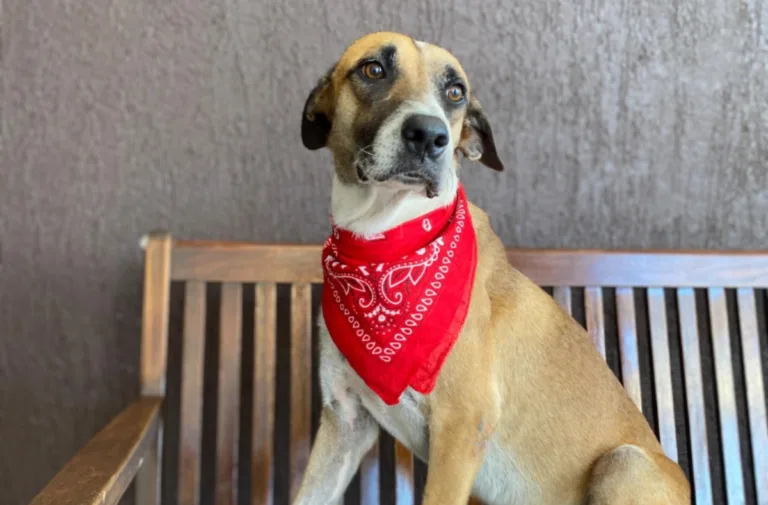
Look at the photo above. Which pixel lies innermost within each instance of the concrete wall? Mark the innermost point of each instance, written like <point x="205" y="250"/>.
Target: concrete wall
<point x="626" y="123"/>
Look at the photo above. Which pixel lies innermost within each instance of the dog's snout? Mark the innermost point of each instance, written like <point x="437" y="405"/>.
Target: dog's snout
<point x="425" y="135"/>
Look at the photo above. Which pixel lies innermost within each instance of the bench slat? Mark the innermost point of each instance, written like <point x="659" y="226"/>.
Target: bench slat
<point x="264" y="363"/>
<point x="662" y="371"/>
<point x="244" y="262"/>
<point x="404" y="484"/>
<point x="301" y="382"/>
<point x="193" y="358"/>
<point x="689" y="336"/>
<point x="750" y="348"/>
<point x="369" y="476"/>
<point x="630" y="357"/>
<point x="563" y="296"/>
<point x="726" y="396"/>
<point x="154" y="354"/>
<point x="228" y="405"/>
<point x="593" y="301"/>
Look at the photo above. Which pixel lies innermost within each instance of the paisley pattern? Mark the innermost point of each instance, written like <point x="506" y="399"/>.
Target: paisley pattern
<point x="398" y="299"/>
<point x="384" y="303"/>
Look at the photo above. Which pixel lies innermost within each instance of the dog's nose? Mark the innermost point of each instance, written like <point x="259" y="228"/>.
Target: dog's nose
<point x="425" y="135"/>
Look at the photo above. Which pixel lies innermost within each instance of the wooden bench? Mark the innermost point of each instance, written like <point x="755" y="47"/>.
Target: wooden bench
<point x="229" y="403"/>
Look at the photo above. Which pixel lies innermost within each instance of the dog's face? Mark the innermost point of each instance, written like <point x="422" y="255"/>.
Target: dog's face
<point x="396" y="112"/>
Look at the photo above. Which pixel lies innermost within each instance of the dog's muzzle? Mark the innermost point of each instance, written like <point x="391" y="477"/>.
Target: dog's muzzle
<point x="425" y="141"/>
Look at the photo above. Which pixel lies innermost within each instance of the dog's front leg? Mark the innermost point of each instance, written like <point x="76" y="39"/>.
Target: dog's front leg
<point x="457" y="442"/>
<point x="343" y="438"/>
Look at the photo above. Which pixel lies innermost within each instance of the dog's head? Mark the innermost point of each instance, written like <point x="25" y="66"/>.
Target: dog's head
<point x="397" y="112"/>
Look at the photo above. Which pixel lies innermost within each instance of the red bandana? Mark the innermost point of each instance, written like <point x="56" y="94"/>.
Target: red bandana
<point x="395" y="304"/>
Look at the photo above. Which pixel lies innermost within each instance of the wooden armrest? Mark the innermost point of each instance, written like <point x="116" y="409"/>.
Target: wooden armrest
<point x="102" y="470"/>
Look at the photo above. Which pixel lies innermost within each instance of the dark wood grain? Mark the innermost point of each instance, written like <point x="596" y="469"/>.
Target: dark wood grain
<point x="689" y="335"/>
<point x="193" y="358"/>
<point x="301" y="382"/>
<point x="662" y="376"/>
<point x="228" y="406"/>
<point x="264" y="363"/>
<point x="641" y="268"/>
<point x="154" y="352"/>
<point x="726" y="396"/>
<point x="758" y="421"/>
<point x="101" y="471"/>
<point x="245" y="262"/>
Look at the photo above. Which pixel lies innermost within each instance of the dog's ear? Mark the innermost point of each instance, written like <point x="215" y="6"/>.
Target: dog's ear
<point x="477" y="138"/>
<point x="317" y="115"/>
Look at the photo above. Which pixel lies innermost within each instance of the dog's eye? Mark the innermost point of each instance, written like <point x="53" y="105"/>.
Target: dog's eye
<point x="455" y="93"/>
<point x="373" y="71"/>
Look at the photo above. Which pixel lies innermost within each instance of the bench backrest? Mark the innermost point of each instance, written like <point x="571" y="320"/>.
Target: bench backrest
<point x="230" y="328"/>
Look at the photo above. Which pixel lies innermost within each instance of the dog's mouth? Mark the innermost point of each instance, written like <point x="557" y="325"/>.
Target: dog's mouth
<point x="419" y="178"/>
<point x="410" y="178"/>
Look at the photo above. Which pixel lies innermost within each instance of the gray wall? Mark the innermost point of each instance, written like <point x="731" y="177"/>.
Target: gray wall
<point x="631" y="123"/>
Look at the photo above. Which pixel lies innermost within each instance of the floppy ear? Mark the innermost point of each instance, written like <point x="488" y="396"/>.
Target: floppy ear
<point x="316" y="118"/>
<point x="477" y="139"/>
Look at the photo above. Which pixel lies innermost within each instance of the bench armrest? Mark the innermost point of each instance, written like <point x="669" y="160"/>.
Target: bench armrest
<point x="102" y="470"/>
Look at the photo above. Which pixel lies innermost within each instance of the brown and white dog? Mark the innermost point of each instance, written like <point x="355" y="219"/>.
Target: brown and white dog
<point x="524" y="411"/>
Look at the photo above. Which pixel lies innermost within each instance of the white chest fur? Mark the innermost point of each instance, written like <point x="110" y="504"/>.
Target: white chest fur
<point x="407" y="421"/>
<point x="499" y="480"/>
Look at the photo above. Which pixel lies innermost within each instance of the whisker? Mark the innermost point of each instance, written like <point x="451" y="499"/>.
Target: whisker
<point x="366" y="150"/>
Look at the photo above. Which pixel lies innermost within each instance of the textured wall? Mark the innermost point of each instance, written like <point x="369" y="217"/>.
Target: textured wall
<point x="623" y="123"/>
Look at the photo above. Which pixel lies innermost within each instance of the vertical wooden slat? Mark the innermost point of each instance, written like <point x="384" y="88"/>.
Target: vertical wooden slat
<point x="404" y="485"/>
<point x="369" y="477"/>
<point x="630" y="356"/>
<point x="228" y="407"/>
<point x="758" y="425"/>
<point x="662" y="371"/>
<point x="154" y="353"/>
<point x="689" y="335"/>
<point x="726" y="396"/>
<point x="193" y="358"/>
<point x="154" y="327"/>
<point x="562" y="295"/>
<point x="301" y="382"/>
<point x="593" y="301"/>
<point x="264" y="362"/>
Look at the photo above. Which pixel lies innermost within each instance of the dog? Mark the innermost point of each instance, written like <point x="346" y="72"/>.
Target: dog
<point x="523" y="409"/>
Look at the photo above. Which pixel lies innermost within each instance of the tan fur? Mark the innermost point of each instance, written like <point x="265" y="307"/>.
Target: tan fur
<point x="542" y="363"/>
<point x="524" y="411"/>
<point x="415" y="64"/>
